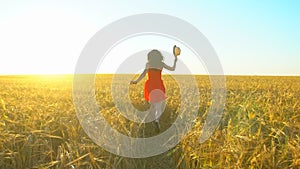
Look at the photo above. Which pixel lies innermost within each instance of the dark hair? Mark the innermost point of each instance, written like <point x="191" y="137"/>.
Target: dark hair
<point x="155" y="59"/>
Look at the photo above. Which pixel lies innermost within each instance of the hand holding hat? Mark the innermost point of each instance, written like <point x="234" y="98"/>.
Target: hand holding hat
<point x="176" y="51"/>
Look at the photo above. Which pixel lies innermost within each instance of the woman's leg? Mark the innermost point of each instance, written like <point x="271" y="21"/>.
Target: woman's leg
<point x="151" y="115"/>
<point x="158" y="107"/>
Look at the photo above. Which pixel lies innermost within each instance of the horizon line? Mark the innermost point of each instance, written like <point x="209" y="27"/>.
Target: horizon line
<point x="70" y="74"/>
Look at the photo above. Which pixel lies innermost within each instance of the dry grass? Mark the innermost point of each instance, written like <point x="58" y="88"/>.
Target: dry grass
<point x="260" y="126"/>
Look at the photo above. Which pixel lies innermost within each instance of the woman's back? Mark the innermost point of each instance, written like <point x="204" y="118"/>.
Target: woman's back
<point x="154" y="74"/>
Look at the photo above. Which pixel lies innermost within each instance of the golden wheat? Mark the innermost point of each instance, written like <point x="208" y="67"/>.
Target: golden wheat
<point x="260" y="127"/>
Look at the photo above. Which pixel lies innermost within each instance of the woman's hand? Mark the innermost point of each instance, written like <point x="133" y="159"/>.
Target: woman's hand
<point x="133" y="82"/>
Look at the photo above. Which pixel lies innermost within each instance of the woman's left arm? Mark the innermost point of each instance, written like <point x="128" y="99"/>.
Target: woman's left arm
<point x="141" y="76"/>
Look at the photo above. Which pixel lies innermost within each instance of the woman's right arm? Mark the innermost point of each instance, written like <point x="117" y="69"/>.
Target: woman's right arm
<point x="173" y="67"/>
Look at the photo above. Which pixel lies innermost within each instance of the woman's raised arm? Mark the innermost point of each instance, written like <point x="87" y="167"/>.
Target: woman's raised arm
<point x="173" y="67"/>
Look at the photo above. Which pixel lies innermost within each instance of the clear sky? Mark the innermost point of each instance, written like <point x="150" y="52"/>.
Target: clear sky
<point x="250" y="37"/>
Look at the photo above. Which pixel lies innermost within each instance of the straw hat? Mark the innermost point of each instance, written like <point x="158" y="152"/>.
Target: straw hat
<point x="176" y="50"/>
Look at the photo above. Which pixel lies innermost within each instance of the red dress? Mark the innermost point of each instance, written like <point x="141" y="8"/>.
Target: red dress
<point x="154" y="89"/>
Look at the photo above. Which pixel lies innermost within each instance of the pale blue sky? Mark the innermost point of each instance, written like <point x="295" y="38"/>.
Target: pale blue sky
<point x="250" y="38"/>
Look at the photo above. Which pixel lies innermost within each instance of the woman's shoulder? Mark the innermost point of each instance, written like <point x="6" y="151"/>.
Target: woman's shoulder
<point x="149" y="66"/>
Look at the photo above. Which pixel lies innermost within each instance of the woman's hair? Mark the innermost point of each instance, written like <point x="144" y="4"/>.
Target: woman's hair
<point x="155" y="59"/>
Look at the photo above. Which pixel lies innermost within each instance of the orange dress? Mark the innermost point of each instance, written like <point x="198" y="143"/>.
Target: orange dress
<point x="154" y="89"/>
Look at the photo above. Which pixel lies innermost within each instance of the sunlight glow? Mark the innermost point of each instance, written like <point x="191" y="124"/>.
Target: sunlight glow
<point x="47" y="43"/>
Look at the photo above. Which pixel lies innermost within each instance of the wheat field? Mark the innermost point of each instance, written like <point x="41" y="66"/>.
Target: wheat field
<point x="260" y="126"/>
